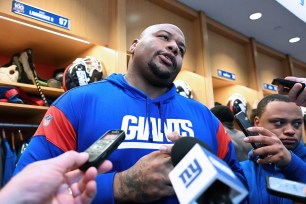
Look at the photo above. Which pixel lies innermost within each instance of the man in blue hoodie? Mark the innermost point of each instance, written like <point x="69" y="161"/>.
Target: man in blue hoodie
<point x="144" y="104"/>
<point x="280" y="152"/>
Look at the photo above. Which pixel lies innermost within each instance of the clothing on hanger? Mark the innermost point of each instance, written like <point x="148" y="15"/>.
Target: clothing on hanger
<point x="10" y="160"/>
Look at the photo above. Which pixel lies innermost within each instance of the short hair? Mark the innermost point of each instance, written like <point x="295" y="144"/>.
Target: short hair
<point x="253" y="114"/>
<point x="217" y="103"/>
<point x="264" y="102"/>
<point x="223" y="113"/>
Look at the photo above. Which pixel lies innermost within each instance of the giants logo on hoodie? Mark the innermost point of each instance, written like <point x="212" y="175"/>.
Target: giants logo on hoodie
<point x="139" y="129"/>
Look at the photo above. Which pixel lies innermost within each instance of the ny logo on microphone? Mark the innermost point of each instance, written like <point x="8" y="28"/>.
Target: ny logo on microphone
<point x="191" y="173"/>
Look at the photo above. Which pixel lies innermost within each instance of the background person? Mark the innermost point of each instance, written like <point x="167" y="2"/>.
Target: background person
<point x="226" y="116"/>
<point x="280" y="152"/>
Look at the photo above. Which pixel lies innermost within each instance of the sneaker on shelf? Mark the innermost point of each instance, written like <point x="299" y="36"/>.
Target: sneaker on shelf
<point x="25" y="59"/>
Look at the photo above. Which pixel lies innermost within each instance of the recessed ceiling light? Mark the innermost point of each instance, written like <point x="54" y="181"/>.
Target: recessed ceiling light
<point x="294" y="40"/>
<point x="255" y="16"/>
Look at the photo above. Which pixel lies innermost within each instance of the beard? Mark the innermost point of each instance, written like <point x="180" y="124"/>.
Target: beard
<point x="158" y="72"/>
<point x="162" y="74"/>
<point x="165" y="77"/>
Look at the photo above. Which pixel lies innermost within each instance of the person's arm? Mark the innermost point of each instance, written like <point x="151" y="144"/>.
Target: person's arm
<point x="54" y="136"/>
<point x="296" y="169"/>
<point x="55" y="180"/>
<point x="38" y="149"/>
<point x="300" y="99"/>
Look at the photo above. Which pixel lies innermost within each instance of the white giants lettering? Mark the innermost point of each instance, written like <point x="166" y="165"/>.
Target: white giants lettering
<point x="138" y="128"/>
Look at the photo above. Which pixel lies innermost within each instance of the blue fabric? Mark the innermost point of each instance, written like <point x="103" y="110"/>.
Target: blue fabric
<point x="256" y="176"/>
<point x="10" y="162"/>
<point x="93" y="109"/>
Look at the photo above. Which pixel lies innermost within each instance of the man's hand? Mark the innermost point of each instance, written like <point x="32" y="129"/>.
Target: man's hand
<point x="300" y="99"/>
<point x="148" y="179"/>
<point x="145" y="181"/>
<point x="270" y="145"/>
<point x="174" y="136"/>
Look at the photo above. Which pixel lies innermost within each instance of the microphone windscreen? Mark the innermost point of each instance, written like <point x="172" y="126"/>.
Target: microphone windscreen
<point x="183" y="146"/>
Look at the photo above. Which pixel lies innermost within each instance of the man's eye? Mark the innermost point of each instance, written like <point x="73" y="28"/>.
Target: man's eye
<point x="278" y="123"/>
<point x="297" y="125"/>
<point x="164" y="37"/>
<point x="182" y="51"/>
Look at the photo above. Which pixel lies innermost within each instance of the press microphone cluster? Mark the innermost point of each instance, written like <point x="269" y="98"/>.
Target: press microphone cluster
<point x="201" y="177"/>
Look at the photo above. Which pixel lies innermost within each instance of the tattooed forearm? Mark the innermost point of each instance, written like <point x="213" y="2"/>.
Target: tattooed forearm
<point x="131" y="185"/>
<point x="121" y="187"/>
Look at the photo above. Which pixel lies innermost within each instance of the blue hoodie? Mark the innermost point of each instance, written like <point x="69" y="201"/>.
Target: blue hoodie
<point x="256" y="176"/>
<point x="80" y="116"/>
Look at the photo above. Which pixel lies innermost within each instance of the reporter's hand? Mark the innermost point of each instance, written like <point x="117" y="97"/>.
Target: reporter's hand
<point x="55" y="180"/>
<point x="271" y="146"/>
<point x="300" y="99"/>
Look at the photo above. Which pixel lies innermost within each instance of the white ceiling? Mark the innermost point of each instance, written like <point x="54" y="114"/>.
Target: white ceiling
<point x="274" y="29"/>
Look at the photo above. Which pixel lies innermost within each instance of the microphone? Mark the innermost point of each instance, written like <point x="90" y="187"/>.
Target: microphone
<point x="183" y="146"/>
<point x="201" y="177"/>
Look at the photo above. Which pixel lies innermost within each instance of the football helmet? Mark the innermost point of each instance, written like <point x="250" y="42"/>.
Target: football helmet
<point x="183" y="88"/>
<point x="81" y="72"/>
<point x="237" y="103"/>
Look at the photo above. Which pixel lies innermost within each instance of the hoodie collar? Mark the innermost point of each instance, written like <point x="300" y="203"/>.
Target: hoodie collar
<point x="119" y="80"/>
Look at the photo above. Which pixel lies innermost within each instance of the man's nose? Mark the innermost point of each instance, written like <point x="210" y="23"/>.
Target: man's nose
<point x="289" y="130"/>
<point x="173" y="47"/>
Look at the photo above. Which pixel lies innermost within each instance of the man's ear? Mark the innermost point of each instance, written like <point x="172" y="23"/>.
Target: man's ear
<point x="256" y="121"/>
<point x="133" y="46"/>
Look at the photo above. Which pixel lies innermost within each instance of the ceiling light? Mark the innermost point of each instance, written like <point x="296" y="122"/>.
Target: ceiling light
<point x="294" y="40"/>
<point x="46" y="30"/>
<point x="255" y="16"/>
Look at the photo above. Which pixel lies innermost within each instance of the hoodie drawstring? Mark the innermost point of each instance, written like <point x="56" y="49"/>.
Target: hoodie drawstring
<point x="160" y="105"/>
<point x="148" y="119"/>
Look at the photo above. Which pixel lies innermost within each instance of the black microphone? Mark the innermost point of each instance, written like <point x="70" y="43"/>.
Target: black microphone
<point x="203" y="177"/>
<point x="183" y="146"/>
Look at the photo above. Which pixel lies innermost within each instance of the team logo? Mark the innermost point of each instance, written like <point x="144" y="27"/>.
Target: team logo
<point x="190" y="173"/>
<point x="18" y="7"/>
<point x="47" y="120"/>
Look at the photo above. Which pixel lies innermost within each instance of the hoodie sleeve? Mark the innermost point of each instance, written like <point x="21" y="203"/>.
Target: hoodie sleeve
<point x="296" y="169"/>
<point x="105" y="185"/>
<point x="54" y="136"/>
<point x="38" y="149"/>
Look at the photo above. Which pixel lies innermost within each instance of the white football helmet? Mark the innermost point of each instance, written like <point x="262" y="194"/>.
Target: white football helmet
<point x="90" y="63"/>
<point x="183" y="88"/>
<point x="81" y="72"/>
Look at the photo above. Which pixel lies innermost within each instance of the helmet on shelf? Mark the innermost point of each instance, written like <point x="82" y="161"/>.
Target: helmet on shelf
<point x="237" y="103"/>
<point x="81" y="72"/>
<point x="183" y="88"/>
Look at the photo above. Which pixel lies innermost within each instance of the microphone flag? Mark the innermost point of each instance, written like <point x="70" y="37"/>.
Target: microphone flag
<point x="200" y="169"/>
